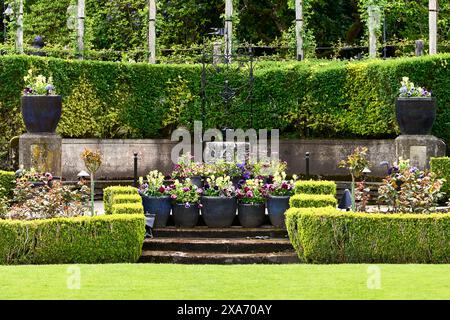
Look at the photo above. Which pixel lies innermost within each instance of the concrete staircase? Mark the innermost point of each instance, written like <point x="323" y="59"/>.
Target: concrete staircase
<point x="235" y="245"/>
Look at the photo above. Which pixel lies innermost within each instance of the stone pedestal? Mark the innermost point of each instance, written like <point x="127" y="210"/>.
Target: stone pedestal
<point x="41" y="151"/>
<point x="419" y="149"/>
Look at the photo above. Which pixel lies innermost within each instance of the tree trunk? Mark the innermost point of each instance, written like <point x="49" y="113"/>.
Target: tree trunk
<point x="228" y="30"/>
<point x="80" y="28"/>
<point x="19" y="31"/>
<point x="433" y="16"/>
<point x="299" y="29"/>
<point x="152" y="31"/>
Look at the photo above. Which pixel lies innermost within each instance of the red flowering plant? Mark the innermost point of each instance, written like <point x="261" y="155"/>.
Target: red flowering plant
<point x="252" y="192"/>
<point x="280" y="186"/>
<point x="154" y="187"/>
<point x="186" y="193"/>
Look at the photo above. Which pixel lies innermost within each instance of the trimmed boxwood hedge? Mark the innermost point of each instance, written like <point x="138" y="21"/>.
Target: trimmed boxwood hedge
<point x="312" y="201"/>
<point x="7" y="183"/>
<point x="315" y="187"/>
<point x="332" y="99"/>
<point x="441" y="166"/>
<point x="326" y="235"/>
<point x="100" y="239"/>
<point x="128" y="208"/>
<point x="110" y="192"/>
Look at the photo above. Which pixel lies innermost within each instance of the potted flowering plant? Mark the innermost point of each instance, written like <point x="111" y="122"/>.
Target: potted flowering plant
<point x="279" y="192"/>
<point x="219" y="202"/>
<point x="156" y="197"/>
<point x="415" y="109"/>
<point x="41" y="107"/>
<point x="252" y="203"/>
<point x="187" y="168"/>
<point x="185" y="203"/>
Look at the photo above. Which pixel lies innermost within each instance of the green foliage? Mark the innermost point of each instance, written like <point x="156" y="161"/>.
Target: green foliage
<point x="326" y="235"/>
<point x="128" y="208"/>
<point x="331" y="99"/>
<point x="7" y="183"/>
<point x="101" y="239"/>
<point x="441" y="167"/>
<point x="111" y="192"/>
<point x="312" y="201"/>
<point x="126" y="198"/>
<point x="315" y="187"/>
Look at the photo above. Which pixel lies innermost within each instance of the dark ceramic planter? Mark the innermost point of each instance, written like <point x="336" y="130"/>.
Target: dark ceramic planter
<point x="251" y="215"/>
<point x="185" y="217"/>
<point x="219" y="212"/>
<point x="416" y="116"/>
<point x="41" y="113"/>
<point x="160" y="206"/>
<point x="277" y="207"/>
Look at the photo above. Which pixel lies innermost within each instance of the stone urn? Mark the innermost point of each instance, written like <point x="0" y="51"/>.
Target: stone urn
<point x="277" y="207"/>
<point x="185" y="216"/>
<point x="416" y="116"/>
<point x="160" y="206"/>
<point x="41" y="113"/>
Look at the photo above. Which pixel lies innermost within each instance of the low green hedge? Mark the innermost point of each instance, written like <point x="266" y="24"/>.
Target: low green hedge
<point x="128" y="208"/>
<point x="315" y="187"/>
<point x="441" y="166"/>
<point x="326" y="235"/>
<point x="126" y="198"/>
<point x="110" y="192"/>
<point x="7" y="183"/>
<point x="312" y="201"/>
<point x="100" y="239"/>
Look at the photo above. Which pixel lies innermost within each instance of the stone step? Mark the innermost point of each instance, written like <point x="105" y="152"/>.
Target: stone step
<point x="250" y="245"/>
<point x="218" y="258"/>
<point x="221" y="233"/>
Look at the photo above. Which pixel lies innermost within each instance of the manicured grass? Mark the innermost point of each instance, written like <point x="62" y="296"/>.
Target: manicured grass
<point x="152" y="281"/>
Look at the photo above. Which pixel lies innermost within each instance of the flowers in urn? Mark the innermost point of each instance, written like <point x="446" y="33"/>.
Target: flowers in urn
<point x="187" y="167"/>
<point x="409" y="90"/>
<point x="219" y="187"/>
<point x="252" y="192"/>
<point x="185" y="193"/>
<point x="38" y="85"/>
<point x="154" y="187"/>
<point x="280" y="186"/>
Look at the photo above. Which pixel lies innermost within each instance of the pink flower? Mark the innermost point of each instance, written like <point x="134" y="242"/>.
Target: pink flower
<point x="174" y="196"/>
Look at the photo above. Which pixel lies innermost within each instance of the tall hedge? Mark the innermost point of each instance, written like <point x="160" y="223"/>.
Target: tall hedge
<point x="101" y="239"/>
<point x="331" y="99"/>
<point x="326" y="235"/>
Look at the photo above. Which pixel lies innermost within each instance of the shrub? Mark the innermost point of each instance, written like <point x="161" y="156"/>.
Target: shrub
<point x="311" y="98"/>
<point x="408" y="189"/>
<point x="128" y="208"/>
<point x="7" y="183"/>
<point x="126" y="198"/>
<point x="326" y="235"/>
<point x="312" y="201"/>
<point x="441" y="167"/>
<point x="315" y="187"/>
<point x="110" y="192"/>
<point x="100" y="239"/>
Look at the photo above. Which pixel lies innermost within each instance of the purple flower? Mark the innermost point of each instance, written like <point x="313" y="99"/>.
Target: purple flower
<point x="186" y="189"/>
<point x="187" y="205"/>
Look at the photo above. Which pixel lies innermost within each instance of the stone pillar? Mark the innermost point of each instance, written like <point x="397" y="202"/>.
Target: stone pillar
<point x="419" y="149"/>
<point x="41" y="151"/>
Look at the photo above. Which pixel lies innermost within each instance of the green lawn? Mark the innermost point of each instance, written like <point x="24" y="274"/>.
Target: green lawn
<point x="152" y="281"/>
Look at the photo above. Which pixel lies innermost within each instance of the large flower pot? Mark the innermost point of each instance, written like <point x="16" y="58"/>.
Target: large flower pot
<point x="415" y="116"/>
<point x="160" y="206"/>
<point x="41" y="113"/>
<point x="251" y="215"/>
<point x="277" y="207"/>
<point x="219" y="212"/>
<point x="185" y="217"/>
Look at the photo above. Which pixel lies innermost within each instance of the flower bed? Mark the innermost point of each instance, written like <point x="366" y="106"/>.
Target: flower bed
<point x="326" y="235"/>
<point x="101" y="239"/>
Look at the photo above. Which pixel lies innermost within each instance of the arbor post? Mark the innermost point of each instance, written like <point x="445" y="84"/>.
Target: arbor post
<point x="152" y="31"/>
